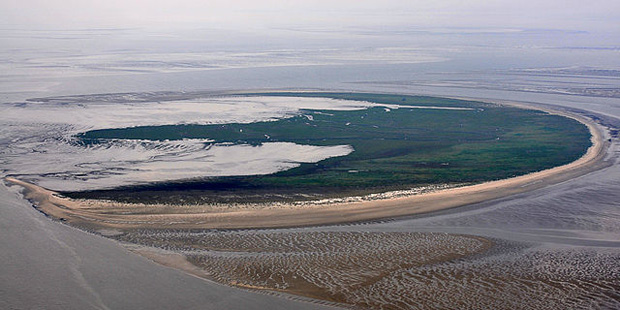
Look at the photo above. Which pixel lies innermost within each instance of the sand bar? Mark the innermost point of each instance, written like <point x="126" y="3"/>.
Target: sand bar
<point x="109" y="215"/>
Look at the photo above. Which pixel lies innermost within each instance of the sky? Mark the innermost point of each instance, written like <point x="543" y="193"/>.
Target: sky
<point x="593" y="15"/>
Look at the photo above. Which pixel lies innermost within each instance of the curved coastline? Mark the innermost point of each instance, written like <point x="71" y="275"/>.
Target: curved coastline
<point x="98" y="215"/>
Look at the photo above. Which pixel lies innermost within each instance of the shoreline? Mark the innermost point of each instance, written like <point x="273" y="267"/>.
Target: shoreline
<point x="101" y="215"/>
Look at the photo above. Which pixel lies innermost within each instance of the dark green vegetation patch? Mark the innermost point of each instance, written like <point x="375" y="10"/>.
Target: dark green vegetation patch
<point x="394" y="149"/>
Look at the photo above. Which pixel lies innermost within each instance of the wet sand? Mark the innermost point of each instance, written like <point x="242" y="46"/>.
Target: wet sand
<point x="352" y="267"/>
<point x="101" y="214"/>
<point x="339" y="268"/>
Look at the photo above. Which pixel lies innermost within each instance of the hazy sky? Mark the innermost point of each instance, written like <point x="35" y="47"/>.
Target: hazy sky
<point x="73" y="14"/>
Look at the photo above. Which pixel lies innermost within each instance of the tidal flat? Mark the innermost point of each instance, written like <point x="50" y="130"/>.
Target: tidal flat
<point x="397" y="270"/>
<point x="354" y="267"/>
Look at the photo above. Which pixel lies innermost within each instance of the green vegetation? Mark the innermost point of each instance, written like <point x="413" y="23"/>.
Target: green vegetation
<point x="394" y="148"/>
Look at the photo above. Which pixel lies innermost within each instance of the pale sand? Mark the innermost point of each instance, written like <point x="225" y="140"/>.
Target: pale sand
<point x="169" y="259"/>
<point x="105" y="215"/>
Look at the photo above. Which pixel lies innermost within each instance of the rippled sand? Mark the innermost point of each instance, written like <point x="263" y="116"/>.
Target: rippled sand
<point x="530" y="279"/>
<point x="337" y="267"/>
<point x="400" y="270"/>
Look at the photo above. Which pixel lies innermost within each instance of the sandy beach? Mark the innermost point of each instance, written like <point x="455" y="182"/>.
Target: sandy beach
<point x="105" y="215"/>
